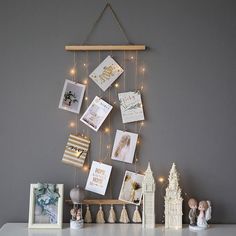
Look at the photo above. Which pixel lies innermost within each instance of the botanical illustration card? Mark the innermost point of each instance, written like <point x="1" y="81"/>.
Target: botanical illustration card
<point x="131" y="190"/>
<point x="131" y="106"/>
<point x="98" y="178"/>
<point x="96" y="113"/>
<point x="76" y="150"/>
<point x="106" y="73"/>
<point x="72" y="96"/>
<point x="124" y="146"/>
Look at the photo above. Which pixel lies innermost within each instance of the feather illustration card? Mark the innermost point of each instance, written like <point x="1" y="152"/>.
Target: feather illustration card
<point x="131" y="106"/>
<point x="106" y="73"/>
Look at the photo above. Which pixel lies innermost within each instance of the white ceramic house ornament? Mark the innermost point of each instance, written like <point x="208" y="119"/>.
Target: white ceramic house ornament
<point x="148" y="190"/>
<point x="173" y="201"/>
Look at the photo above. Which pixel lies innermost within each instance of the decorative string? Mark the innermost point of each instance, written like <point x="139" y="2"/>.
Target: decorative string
<point x="115" y="17"/>
<point x="136" y="123"/>
<point x="76" y="123"/>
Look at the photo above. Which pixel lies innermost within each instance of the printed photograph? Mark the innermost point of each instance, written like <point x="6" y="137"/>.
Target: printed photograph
<point x="98" y="178"/>
<point x="72" y="96"/>
<point x="46" y="202"/>
<point x="106" y="73"/>
<point x="96" y="113"/>
<point x="124" y="146"/>
<point x="131" y="190"/>
<point x="131" y="107"/>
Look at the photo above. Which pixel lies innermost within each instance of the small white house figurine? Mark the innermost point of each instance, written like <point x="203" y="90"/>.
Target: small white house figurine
<point x="173" y="201"/>
<point x="148" y="190"/>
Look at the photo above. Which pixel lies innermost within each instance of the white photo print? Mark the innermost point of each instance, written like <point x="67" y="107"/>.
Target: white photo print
<point x="72" y="96"/>
<point x="131" y="107"/>
<point x="124" y="146"/>
<point x="131" y="189"/>
<point x="106" y="73"/>
<point x="96" y="113"/>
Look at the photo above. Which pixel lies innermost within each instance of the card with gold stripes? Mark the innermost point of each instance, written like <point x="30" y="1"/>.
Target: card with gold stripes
<point x="76" y="150"/>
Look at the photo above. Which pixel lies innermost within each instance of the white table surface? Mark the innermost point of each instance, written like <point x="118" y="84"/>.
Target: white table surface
<point x="21" y="229"/>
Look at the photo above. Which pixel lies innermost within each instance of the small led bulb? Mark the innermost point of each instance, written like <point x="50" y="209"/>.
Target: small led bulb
<point x="72" y="71"/>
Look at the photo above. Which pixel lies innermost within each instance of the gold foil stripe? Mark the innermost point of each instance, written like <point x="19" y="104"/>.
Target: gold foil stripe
<point x="80" y="139"/>
<point x="72" y="163"/>
<point x="78" y="143"/>
<point x="71" y="158"/>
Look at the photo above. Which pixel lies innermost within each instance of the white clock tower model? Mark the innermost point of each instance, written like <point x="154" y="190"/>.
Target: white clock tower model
<point x="173" y="201"/>
<point x="148" y="190"/>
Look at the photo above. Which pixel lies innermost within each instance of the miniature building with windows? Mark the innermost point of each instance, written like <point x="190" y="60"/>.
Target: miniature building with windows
<point x="173" y="201"/>
<point x="148" y="190"/>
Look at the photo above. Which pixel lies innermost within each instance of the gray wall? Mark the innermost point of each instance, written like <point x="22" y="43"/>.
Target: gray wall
<point x="189" y="95"/>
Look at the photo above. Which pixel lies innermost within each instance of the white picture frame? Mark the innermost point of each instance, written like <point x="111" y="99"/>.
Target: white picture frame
<point x="106" y="73"/>
<point x="131" y="106"/>
<point x="98" y="178"/>
<point x="124" y="146"/>
<point x="96" y="113"/>
<point x="131" y="182"/>
<point x="72" y="96"/>
<point x="32" y="205"/>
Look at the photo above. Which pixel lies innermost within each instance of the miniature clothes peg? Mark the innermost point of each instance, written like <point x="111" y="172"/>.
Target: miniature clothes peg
<point x="124" y="218"/>
<point x="112" y="215"/>
<point x="100" y="216"/>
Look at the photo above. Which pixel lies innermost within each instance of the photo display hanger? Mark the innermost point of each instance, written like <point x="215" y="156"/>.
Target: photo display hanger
<point x="101" y="169"/>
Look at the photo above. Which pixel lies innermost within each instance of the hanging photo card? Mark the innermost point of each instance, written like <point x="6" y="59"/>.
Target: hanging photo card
<point x="98" y="178"/>
<point x="76" y="150"/>
<point x="106" y="73"/>
<point x="96" y="113"/>
<point x="131" y="189"/>
<point x="72" y="96"/>
<point x="131" y="106"/>
<point x="124" y="146"/>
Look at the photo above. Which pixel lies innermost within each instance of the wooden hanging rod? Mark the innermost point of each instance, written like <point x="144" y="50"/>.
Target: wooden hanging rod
<point x="101" y="202"/>
<point x="105" y="47"/>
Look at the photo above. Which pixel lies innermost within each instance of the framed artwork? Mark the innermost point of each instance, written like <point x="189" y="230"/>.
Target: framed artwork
<point x="106" y="73"/>
<point x="124" y="146"/>
<point x="76" y="150"/>
<point x="98" y="178"/>
<point x="96" y="113"/>
<point x="46" y="205"/>
<point x="131" y="106"/>
<point x="72" y="96"/>
<point x="131" y="189"/>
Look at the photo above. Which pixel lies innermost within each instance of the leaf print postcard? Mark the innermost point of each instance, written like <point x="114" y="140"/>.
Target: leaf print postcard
<point x="131" y="107"/>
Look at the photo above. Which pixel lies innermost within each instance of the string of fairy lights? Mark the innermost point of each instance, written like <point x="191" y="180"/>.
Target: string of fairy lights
<point x="112" y="97"/>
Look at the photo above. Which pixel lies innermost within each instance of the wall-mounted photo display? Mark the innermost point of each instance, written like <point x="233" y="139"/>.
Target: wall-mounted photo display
<point x="76" y="150"/>
<point x="98" y="178"/>
<point x="131" y="106"/>
<point x="106" y="73"/>
<point x="124" y="146"/>
<point x="46" y="205"/>
<point x="72" y="96"/>
<point x="96" y="113"/>
<point x="131" y="189"/>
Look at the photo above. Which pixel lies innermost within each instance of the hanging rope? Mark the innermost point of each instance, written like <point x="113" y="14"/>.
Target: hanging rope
<point x="115" y="17"/>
